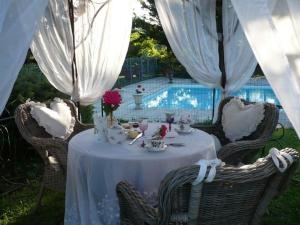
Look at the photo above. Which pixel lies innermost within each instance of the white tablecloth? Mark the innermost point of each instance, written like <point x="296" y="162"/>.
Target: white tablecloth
<point x="95" y="168"/>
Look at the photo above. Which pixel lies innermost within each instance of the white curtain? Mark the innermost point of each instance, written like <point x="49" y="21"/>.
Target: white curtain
<point x="3" y="9"/>
<point x="18" y="23"/>
<point x="272" y="28"/>
<point x="190" y="27"/>
<point x="240" y="61"/>
<point x="102" y="33"/>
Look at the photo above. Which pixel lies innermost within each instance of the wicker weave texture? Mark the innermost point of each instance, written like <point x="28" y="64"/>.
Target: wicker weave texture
<point x="54" y="174"/>
<point x="241" y="150"/>
<point x="237" y="196"/>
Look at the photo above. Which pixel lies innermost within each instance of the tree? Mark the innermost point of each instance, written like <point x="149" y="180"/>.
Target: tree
<point x="149" y="5"/>
<point x="148" y="38"/>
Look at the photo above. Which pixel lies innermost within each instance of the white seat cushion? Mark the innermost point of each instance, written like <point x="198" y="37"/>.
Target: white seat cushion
<point x="240" y="120"/>
<point x="57" y="120"/>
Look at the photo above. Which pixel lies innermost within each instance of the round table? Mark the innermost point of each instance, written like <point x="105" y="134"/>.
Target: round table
<point x="95" y="168"/>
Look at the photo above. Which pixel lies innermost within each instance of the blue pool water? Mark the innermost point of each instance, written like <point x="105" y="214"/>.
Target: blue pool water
<point x="199" y="97"/>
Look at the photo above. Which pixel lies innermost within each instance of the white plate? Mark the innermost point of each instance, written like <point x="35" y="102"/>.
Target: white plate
<point x="184" y="131"/>
<point x="151" y="149"/>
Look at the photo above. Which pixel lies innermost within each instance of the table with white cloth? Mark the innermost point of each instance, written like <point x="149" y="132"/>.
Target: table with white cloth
<point x="96" y="167"/>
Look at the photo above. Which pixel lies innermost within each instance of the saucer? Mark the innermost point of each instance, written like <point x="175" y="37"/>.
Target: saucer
<point x="151" y="149"/>
<point x="184" y="131"/>
<point x="172" y="134"/>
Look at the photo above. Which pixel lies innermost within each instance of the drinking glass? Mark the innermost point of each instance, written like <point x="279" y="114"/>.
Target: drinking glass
<point x="143" y="125"/>
<point x="170" y="119"/>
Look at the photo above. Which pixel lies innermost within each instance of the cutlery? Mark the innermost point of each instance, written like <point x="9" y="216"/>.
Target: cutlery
<point x="177" y="144"/>
<point x="137" y="137"/>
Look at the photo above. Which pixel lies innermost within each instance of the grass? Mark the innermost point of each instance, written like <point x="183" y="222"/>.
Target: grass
<point x="18" y="207"/>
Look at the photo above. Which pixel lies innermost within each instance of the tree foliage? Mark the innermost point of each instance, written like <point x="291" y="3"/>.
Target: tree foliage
<point x="148" y="38"/>
<point x="31" y="84"/>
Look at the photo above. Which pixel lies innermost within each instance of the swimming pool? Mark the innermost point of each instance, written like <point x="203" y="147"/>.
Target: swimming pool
<point x="199" y="97"/>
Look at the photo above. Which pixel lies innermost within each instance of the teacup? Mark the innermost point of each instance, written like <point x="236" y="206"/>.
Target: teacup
<point x="157" y="144"/>
<point x="184" y="126"/>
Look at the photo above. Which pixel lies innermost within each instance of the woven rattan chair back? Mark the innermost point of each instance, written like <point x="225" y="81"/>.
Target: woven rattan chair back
<point x="53" y="151"/>
<point x="264" y="129"/>
<point x="28" y="126"/>
<point x="46" y="146"/>
<point x="237" y="196"/>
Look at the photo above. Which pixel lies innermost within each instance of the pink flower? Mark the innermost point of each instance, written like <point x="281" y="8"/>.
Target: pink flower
<point x="112" y="98"/>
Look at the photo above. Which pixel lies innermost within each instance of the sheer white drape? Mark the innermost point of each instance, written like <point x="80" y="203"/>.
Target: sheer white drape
<point x="272" y="28"/>
<point x="18" y="23"/>
<point x="52" y="46"/>
<point x="190" y="27"/>
<point x="240" y="61"/>
<point x="102" y="33"/>
<point x="3" y="9"/>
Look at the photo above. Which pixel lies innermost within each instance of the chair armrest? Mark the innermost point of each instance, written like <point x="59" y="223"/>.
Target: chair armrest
<point x="133" y="206"/>
<point x="81" y="127"/>
<point x="206" y="128"/>
<point x="240" y="147"/>
<point x="55" y="147"/>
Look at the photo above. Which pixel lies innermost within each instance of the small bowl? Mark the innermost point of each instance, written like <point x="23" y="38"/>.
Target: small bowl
<point x="126" y="126"/>
<point x="133" y="124"/>
<point x="132" y="134"/>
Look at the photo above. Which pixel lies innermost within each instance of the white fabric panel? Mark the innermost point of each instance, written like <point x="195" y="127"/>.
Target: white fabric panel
<point x="190" y="27"/>
<point x="4" y="4"/>
<point x="240" y="61"/>
<point x="18" y="23"/>
<point x="272" y="29"/>
<point x="102" y="33"/>
<point x="52" y="46"/>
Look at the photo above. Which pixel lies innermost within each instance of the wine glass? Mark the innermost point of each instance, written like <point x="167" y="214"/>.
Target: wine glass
<point x="170" y="119"/>
<point x="143" y="125"/>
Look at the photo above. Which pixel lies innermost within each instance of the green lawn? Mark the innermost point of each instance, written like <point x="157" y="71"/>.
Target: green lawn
<point x="18" y="208"/>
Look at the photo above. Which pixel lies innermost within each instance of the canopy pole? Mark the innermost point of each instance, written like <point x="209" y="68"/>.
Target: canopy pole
<point x="74" y="64"/>
<point x="221" y="46"/>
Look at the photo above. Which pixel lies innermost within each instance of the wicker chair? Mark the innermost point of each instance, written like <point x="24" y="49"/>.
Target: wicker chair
<point x="53" y="151"/>
<point x="245" y="148"/>
<point x="237" y="196"/>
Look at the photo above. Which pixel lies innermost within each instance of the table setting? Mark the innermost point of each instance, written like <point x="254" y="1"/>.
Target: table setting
<point x="140" y="152"/>
<point x="160" y="136"/>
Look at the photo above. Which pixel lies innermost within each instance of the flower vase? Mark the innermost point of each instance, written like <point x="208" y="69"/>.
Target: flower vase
<point x="100" y="126"/>
<point x="111" y="120"/>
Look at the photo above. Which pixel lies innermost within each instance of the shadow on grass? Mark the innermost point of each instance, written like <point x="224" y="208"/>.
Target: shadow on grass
<point x="19" y="208"/>
<point x="286" y="209"/>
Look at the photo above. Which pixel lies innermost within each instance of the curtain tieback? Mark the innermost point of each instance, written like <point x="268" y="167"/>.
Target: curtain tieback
<point x="280" y="157"/>
<point x="204" y="165"/>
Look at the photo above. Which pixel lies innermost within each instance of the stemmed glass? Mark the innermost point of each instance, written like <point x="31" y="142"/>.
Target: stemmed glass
<point x="170" y="119"/>
<point x="143" y="125"/>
